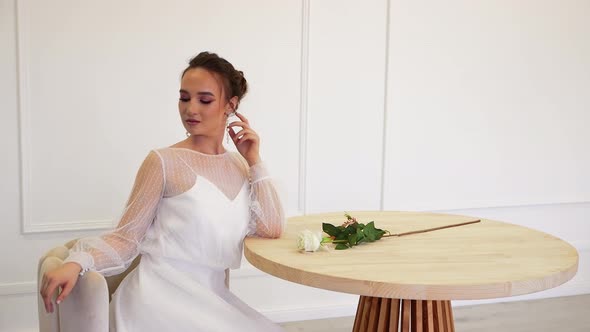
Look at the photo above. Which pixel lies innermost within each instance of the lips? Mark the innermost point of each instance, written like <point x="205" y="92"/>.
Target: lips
<point x="192" y="121"/>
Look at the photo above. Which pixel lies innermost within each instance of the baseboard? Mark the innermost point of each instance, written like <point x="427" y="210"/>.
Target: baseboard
<point x="293" y="314"/>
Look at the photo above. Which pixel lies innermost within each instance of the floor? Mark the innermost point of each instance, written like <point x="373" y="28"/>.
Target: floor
<point x="564" y="314"/>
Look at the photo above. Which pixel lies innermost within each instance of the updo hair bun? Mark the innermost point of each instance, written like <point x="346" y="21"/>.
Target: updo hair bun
<point x="234" y="82"/>
<point x="241" y="83"/>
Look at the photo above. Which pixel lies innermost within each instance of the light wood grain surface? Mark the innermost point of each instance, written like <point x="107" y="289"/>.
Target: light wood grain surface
<point x="489" y="259"/>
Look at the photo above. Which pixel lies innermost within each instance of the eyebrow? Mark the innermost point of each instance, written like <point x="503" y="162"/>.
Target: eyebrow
<point x="201" y="93"/>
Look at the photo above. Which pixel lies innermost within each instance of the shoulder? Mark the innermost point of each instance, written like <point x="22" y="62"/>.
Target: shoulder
<point x="240" y="163"/>
<point x="159" y="157"/>
<point x="152" y="160"/>
<point x="238" y="159"/>
<point x="165" y="153"/>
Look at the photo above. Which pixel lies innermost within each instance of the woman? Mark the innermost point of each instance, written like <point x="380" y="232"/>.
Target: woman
<point x="191" y="206"/>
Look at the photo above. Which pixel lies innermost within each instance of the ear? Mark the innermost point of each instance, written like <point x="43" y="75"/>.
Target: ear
<point x="232" y="104"/>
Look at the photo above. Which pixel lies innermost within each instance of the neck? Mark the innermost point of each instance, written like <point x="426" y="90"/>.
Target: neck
<point x="206" y="144"/>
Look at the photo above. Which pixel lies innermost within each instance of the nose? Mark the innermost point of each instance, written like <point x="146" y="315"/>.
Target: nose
<point x="191" y="107"/>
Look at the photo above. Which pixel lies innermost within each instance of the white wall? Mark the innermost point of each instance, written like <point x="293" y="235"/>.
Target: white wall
<point x="492" y="93"/>
<point x="465" y="107"/>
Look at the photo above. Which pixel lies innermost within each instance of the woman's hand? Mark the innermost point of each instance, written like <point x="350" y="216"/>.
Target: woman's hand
<point x="246" y="140"/>
<point x="65" y="277"/>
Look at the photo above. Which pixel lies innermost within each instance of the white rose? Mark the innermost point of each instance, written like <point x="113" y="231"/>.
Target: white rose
<point x="309" y="241"/>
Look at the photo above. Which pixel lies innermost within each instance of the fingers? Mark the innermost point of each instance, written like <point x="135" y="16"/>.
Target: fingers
<point x="48" y="304"/>
<point x="247" y="137"/>
<point x="43" y="283"/>
<point x="239" y="124"/>
<point x="47" y="294"/>
<point x="243" y="135"/>
<point x="240" y="133"/>
<point x="242" y="117"/>
<point x="66" y="289"/>
<point x="42" y="291"/>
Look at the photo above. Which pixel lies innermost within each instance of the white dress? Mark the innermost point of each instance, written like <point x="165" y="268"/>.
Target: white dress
<point x="187" y="215"/>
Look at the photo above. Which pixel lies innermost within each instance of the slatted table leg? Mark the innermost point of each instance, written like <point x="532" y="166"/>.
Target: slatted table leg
<point x="376" y="314"/>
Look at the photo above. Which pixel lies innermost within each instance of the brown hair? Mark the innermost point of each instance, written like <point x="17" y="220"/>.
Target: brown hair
<point x="234" y="82"/>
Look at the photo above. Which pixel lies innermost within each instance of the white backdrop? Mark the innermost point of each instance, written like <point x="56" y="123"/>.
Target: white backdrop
<point x="475" y="107"/>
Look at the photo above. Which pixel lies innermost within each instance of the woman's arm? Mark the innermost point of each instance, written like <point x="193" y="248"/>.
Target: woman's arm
<point x="113" y="252"/>
<point x="266" y="212"/>
<point x="267" y="217"/>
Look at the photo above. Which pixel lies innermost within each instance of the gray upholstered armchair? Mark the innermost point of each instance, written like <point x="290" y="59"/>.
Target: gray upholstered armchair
<point x="87" y="306"/>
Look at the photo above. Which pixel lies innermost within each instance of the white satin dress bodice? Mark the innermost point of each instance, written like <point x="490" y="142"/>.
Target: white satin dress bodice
<point x="201" y="226"/>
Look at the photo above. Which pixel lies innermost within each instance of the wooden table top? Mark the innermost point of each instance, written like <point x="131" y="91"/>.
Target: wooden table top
<point x="489" y="259"/>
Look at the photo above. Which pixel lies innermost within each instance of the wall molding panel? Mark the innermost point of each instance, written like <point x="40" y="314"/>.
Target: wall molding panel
<point x="24" y="112"/>
<point x="28" y="225"/>
<point x="345" y="105"/>
<point x="385" y="106"/>
<point x="484" y="109"/>
<point x="303" y="105"/>
<point x="18" y="288"/>
<point x="30" y="221"/>
<point x="89" y="225"/>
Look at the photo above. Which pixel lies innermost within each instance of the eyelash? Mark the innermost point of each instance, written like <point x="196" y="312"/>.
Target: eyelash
<point x="206" y="102"/>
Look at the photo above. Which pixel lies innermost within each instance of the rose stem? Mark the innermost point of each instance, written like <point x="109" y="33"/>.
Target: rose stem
<point x="433" y="229"/>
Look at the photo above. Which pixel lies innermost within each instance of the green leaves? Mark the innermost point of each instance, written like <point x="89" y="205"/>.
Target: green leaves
<point x="341" y="246"/>
<point x="353" y="233"/>
<point x="330" y="229"/>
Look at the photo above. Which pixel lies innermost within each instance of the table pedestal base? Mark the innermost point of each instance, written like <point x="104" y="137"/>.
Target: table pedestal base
<point x="394" y="315"/>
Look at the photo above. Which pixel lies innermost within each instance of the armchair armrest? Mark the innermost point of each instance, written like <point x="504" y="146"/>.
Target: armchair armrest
<point x="85" y="309"/>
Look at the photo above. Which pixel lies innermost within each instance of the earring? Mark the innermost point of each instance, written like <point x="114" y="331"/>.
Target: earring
<point x="228" y="115"/>
<point x="227" y="131"/>
<point x="188" y="134"/>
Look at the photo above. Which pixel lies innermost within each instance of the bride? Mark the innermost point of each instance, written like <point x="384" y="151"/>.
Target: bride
<point x="189" y="211"/>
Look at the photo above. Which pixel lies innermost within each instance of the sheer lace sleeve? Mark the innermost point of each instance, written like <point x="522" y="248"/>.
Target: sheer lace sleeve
<point x="267" y="218"/>
<point x="113" y="252"/>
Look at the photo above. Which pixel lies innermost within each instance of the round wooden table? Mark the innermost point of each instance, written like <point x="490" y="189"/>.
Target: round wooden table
<point x="407" y="283"/>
